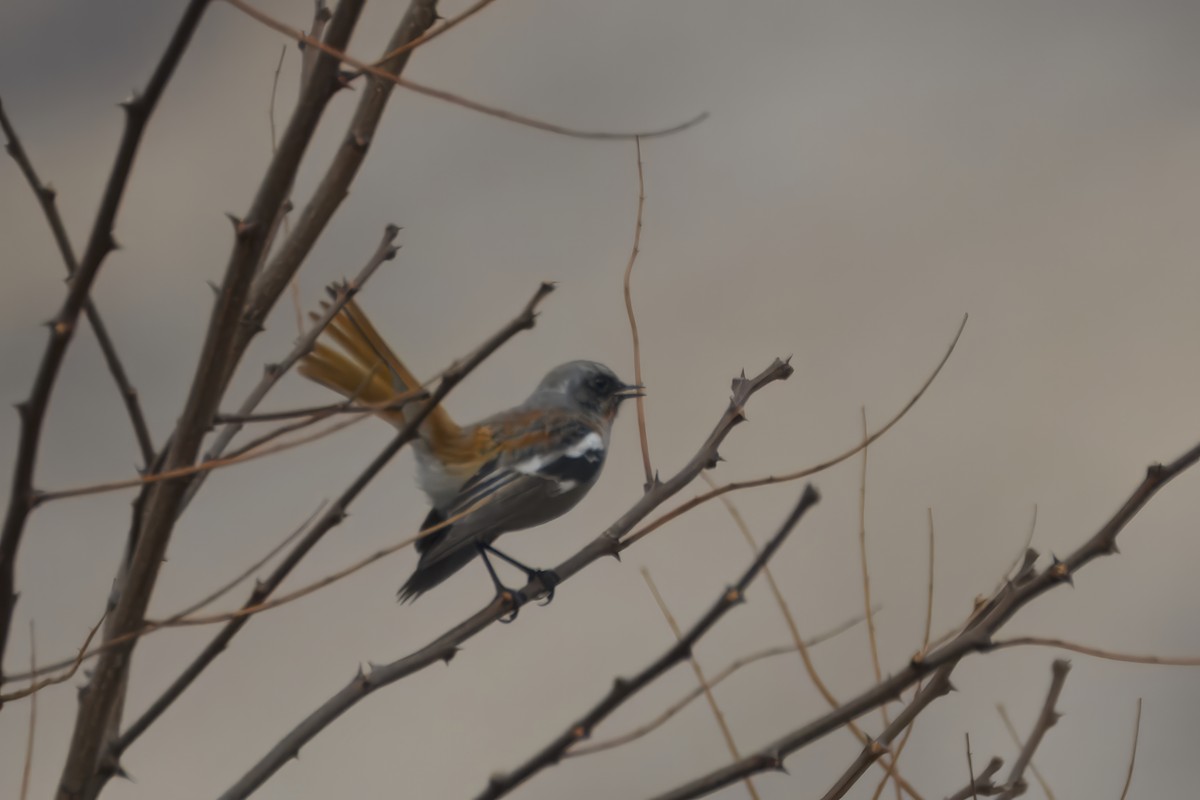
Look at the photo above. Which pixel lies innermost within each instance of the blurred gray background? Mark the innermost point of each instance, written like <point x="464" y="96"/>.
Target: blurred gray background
<point x="870" y="172"/>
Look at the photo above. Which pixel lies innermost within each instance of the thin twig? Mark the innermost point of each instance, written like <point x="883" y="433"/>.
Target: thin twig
<point x="625" y="688"/>
<point x="37" y="686"/>
<point x="862" y="557"/>
<point x="1062" y="644"/>
<point x="798" y="643"/>
<point x="46" y="199"/>
<point x="1028" y="585"/>
<point x="658" y="522"/>
<point x="27" y="769"/>
<point x="433" y="33"/>
<point x="1015" y="784"/>
<point x="449" y="97"/>
<point x="332" y="517"/>
<point x="252" y="451"/>
<point x="325" y="409"/>
<point x="444" y="647"/>
<point x="1137" y="729"/>
<point x="1013" y="568"/>
<point x="194" y="607"/>
<point x="683" y="702"/>
<point x="1016" y="737"/>
<point x="899" y="749"/>
<point x="971" y="769"/>
<point x="705" y="686"/>
<point x="138" y="110"/>
<point x="184" y="620"/>
<point x="633" y="329"/>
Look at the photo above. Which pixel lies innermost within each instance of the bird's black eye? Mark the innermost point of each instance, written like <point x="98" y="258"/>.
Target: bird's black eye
<point x="601" y="383"/>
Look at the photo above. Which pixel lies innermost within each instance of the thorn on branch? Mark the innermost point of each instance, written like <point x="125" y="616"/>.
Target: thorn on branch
<point x="1060" y="572"/>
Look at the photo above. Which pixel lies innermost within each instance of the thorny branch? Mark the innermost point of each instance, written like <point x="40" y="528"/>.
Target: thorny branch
<point x="401" y="50"/>
<point x="681" y="703"/>
<point x="625" y="688"/>
<point x="977" y="637"/>
<point x="1015" y="785"/>
<point x="101" y="242"/>
<point x="46" y="199"/>
<point x="83" y="773"/>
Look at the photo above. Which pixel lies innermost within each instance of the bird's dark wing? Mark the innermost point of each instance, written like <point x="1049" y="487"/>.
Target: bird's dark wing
<point x="519" y="488"/>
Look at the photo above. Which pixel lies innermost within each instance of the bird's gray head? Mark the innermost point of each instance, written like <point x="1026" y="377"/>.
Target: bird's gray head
<point x="589" y="385"/>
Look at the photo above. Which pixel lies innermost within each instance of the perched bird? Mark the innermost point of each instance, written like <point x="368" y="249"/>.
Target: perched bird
<point x="523" y="467"/>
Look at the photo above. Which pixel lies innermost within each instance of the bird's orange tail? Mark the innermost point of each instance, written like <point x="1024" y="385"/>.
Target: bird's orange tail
<point x="354" y="360"/>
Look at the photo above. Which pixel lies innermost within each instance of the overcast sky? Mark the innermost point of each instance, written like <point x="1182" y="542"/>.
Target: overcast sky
<point x="870" y="172"/>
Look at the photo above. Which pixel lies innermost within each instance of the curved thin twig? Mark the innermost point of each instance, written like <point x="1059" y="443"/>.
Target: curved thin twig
<point x="450" y="97"/>
<point x="633" y="329"/>
<point x="658" y="522"/>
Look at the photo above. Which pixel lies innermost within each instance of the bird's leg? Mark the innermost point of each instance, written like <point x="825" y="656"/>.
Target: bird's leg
<point x="547" y="577"/>
<point x="501" y="589"/>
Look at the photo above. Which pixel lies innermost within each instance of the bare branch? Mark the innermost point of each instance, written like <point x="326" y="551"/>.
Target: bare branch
<point x="46" y="199"/>
<point x="705" y="686"/>
<point x="447" y="645"/>
<point x="938" y="686"/>
<point x="1137" y="729"/>
<point x="625" y="688"/>
<point x="679" y="705"/>
<point x="1027" y="586"/>
<point x="971" y="769"/>
<point x="27" y="769"/>
<point x="1016" y="737"/>
<point x="100" y="243"/>
<point x="658" y="522"/>
<point x="1015" y="785"/>
<point x="866" y="573"/>
<point x="633" y="329"/>
<point x="800" y="647"/>
<point x="83" y="773"/>
<point x="72" y="668"/>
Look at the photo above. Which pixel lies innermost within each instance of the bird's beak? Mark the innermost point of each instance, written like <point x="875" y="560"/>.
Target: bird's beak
<point x="630" y="390"/>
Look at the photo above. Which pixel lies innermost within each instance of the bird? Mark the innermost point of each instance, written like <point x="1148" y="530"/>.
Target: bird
<point x="513" y="470"/>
